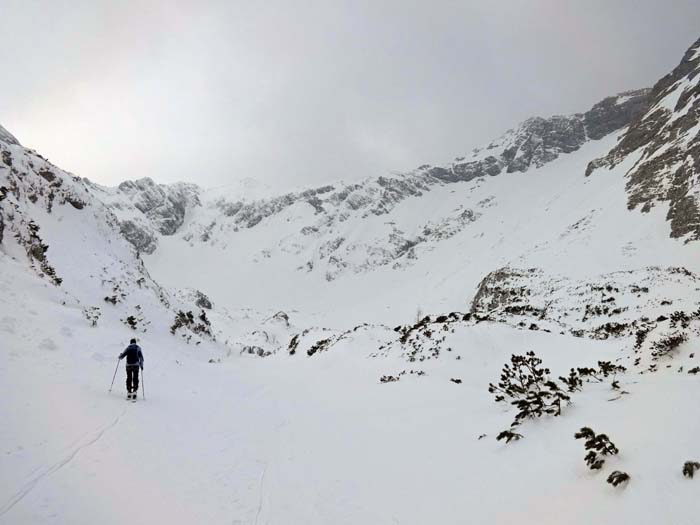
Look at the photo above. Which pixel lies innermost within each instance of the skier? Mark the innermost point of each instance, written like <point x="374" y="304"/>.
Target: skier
<point x="134" y="361"/>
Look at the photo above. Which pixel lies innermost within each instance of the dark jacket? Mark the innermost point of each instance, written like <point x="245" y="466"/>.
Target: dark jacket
<point x="133" y="355"/>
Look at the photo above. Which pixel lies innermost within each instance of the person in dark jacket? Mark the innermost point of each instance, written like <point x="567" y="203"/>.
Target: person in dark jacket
<point x="134" y="361"/>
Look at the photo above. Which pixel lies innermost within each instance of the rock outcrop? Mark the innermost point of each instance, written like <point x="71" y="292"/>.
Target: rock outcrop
<point x="666" y="138"/>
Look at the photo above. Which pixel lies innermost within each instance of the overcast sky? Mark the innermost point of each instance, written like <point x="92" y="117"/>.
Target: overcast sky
<point x="296" y="92"/>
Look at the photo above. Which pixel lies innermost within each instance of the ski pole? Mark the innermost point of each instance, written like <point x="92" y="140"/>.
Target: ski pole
<point x="143" y="383"/>
<point x="114" y="376"/>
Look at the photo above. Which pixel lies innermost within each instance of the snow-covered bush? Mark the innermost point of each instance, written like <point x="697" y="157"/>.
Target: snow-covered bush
<point x="667" y="344"/>
<point x="605" y="369"/>
<point x="689" y="468"/>
<point x="255" y="350"/>
<point x="679" y="318"/>
<point x="136" y="321"/>
<point x="573" y="381"/>
<point x="598" y="445"/>
<point x="186" y="321"/>
<point x="92" y="314"/>
<point x="509" y="436"/>
<point x="117" y="296"/>
<point x="36" y="252"/>
<point x="617" y="478"/>
<point x="529" y="388"/>
<point x="319" y="346"/>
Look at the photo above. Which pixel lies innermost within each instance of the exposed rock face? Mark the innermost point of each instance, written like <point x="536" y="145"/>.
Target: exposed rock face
<point x="139" y="235"/>
<point x="164" y="204"/>
<point x="146" y="209"/>
<point x="616" y="112"/>
<point x="202" y="300"/>
<point x="610" y="305"/>
<point x="538" y="141"/>
<point x="667" y="138"/>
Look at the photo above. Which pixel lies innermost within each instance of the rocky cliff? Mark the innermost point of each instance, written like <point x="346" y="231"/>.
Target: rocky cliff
<point x="664" y="144"/>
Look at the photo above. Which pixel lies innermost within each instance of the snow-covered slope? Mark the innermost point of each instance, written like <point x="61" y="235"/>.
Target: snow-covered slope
<point x="395" y="316"/>
<point x="429" y="251"/>
<point x="54" y="223"/>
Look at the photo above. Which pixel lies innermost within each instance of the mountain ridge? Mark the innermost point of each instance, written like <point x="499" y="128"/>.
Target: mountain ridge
<point x="534" y="143"/>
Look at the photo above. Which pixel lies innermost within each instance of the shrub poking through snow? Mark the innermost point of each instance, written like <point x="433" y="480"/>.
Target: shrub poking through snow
<point x="319" y="346"/>
<point x="618" y="477"/>
<point x="293" y="344"/>
<point x="520" y="377"/>
<point x="679" y="318"/>
<point x="529" y="388"/>
<point x="667" y="344"/>
<point x="92" y="314"/>
<point x="509" y="436"/>
<point x="689" y="468"/>
<point x="598" y="445"/>
<point x="609" y="369"/>
<point x="605" y="369"/>
<point x="573" y="382"/>
<point x="640" y="336"/>
<point x="186" y="320"/>
<point x="136" y="321"/>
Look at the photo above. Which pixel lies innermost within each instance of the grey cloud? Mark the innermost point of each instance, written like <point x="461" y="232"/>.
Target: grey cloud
<point x="305" y="92"/>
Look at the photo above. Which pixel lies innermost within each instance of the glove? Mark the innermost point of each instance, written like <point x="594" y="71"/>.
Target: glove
<point x="141" y="367"/>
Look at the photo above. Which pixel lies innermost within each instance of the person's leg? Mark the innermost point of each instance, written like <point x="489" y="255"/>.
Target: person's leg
<point x="135" y="381"/>
<point x="128" y="379"/>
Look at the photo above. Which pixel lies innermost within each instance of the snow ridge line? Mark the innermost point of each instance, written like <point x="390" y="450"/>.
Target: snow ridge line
<point x="29" y="486"/>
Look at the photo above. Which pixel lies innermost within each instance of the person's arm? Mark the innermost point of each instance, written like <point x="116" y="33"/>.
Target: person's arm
<point x="122" y="355"/>
<point x="141" y="358"/>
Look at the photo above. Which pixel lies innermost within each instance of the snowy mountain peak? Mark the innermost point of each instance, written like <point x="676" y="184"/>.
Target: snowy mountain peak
<point x="146" y="209"/>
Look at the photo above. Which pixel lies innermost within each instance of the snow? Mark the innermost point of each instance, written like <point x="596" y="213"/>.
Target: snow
<point x="317" y="440"/>
<point x="622" y="99"/>
<point x="514" y="225"/>
<point x="308" y="433"/>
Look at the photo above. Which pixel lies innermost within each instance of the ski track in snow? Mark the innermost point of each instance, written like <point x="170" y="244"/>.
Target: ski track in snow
<point x="29" y="486"/>
<point x="262" y="493"/>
